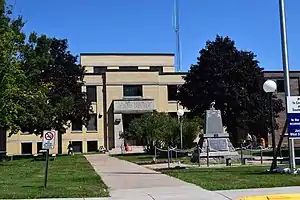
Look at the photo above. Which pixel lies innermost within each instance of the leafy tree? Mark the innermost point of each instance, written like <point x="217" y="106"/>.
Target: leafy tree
<point x="40" y="82"/>
<point x="162" y="130"/>
<point x="47" y="62"/>
<point x="14" y="89"/>
<point x="234" y="80"/>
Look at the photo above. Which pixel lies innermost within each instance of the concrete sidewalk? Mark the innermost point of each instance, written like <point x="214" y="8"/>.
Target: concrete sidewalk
<point x="130" y="181"/>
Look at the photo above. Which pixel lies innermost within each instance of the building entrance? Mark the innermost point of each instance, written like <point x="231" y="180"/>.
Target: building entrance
<point x="127" y="118"/>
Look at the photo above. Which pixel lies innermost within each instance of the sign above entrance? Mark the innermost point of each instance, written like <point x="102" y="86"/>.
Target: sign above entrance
<point x="133" y="106"/>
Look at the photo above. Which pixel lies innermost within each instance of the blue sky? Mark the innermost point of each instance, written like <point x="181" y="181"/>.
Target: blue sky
<point x="146" y="26"/>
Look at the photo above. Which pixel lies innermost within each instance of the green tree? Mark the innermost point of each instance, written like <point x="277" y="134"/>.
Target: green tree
<point x="15" y="91"/>
<point x="47" y="62"/>
<point x="162" y="130"/>
<point x="234" y="80"/>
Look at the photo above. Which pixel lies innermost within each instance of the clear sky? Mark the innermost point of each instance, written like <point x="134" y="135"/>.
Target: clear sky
<point x="146" y="26"/>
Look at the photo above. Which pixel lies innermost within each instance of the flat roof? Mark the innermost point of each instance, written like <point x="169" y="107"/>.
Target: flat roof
<point x="127" y="54"/>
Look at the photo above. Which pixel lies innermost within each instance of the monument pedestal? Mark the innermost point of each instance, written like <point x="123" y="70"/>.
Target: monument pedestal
<point x="216" y="144"/>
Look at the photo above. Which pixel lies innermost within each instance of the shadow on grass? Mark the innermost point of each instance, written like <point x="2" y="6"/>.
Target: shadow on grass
<point x="130" y="173"/>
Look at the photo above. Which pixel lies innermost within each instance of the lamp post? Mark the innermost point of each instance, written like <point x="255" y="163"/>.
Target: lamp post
<point x="180" y="114"/>
<point x="270" y="87"/>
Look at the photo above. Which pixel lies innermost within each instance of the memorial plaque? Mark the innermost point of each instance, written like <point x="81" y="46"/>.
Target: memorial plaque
<point x="213" y="124"/>
<point x="218" y="144"/>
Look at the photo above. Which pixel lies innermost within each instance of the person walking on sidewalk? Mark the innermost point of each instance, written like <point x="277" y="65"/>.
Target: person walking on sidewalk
<point x="70" y="148"/>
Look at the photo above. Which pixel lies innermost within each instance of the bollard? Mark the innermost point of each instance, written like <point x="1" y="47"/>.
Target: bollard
<point x="207" y="153"/>
<point x="261" y="156"/>
<point x="168" y="157"/>
<point x="198" y="148"/>
<point x="244" y="161"/>
<point x="155" y="155"/>
<point x="242" y="156"/>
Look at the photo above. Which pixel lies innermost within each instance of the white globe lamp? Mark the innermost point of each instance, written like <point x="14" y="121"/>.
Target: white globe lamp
<point x="270" y="86"/>
<point x="180" y="113"/>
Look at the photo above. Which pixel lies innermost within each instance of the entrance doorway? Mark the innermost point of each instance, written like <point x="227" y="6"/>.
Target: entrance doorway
<point x="127" y="118"/>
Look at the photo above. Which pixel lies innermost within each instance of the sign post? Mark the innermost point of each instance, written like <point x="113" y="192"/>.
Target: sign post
<point x="48" y="143"/>
<point x="293" y="118"/>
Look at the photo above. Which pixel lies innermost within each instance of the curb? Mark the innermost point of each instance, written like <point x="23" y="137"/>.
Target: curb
<point x="273" y="197"/>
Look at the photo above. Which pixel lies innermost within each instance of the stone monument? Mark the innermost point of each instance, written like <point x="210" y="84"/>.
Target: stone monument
<point x="215" y="138"/>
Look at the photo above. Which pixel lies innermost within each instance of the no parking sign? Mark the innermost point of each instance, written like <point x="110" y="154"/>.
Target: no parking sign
<point x="49" y="139"/>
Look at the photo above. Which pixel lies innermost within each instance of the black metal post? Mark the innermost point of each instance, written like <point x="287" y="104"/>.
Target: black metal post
<point x="46" y="168"/>
<point x="198" y="149"/>
<point x="272" y="128"/>
<point x="168" y="157"/>
<point x="207" y="153"/>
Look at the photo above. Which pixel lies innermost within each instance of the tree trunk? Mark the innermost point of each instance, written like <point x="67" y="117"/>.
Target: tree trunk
<point x="59" y="141"/>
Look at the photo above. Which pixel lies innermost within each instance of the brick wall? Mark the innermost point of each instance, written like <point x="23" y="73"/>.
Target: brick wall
<point x="294" y="83"/>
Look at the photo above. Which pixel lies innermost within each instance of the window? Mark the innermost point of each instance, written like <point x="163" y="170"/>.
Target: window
<point x="156" y="68"/>
<point x="128" y="68"/>
<point x="92" y="146"/>
<point x="91" y="93"/>
<point x="92" y="125"/>
<point x="77" y="146"/>
<point x="100" y="69"/>
<point x="26" y="148"/>
<point x="132" y="90"/>
<point x="280" y="85"/>
<point x="172" y="92"/>
<point x="39" y="146"/>
<point x="76" y="126"/>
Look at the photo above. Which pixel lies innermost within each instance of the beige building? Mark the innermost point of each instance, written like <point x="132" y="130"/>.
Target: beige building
<point x="120" y="87"/>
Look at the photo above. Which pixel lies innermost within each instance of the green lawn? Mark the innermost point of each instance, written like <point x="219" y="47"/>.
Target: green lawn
<point x="234" y="178"/>
<point x="69" y="176"/>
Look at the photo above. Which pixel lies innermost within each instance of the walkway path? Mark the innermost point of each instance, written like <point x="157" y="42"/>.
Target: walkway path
<point x="130" y="181"/>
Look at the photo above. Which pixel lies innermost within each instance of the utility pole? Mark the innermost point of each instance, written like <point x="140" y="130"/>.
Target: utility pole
<point x="176" y="28"/>
<point x="285" y="62"/>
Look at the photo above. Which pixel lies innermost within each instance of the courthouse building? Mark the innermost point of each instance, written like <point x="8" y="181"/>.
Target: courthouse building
<point x="121" y="87"/>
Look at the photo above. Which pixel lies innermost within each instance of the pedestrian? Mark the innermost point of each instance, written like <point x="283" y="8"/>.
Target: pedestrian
<point x="248" y="140"/>
<point x="70" y="148"/>
<point x="254" y="141"/>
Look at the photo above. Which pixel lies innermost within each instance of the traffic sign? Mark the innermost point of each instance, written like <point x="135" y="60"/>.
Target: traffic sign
<point x="49" y="139"/>
<point x="293" y="116"/>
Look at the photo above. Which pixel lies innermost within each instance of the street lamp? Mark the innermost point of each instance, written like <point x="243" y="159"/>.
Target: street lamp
<point x="270" y="87"/>
<point x="180" y="114"/>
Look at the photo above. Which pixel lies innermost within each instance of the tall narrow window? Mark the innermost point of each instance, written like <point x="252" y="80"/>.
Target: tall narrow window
<point x="92" y="125"/>
<point x="76" y="126"/>
<point x="280" y="85"/>
<point x="172" y="92"/>
<point x="91" y="93"/>
<point x="132" y="90"/>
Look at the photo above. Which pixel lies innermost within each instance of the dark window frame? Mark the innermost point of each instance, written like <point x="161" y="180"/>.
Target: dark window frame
<point x="95" y="123"/>
<point x="100" y="69"/>
<point x="280" y="85"/>
<point x="171" y="89"/>
<point x="24" y="148"/>
<point x="159" y="69"/>
<point x="91" y="96"/>
<point x="128" y="68"/>
<point x="128" y="93"/>
<point x="76" y="126"/>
